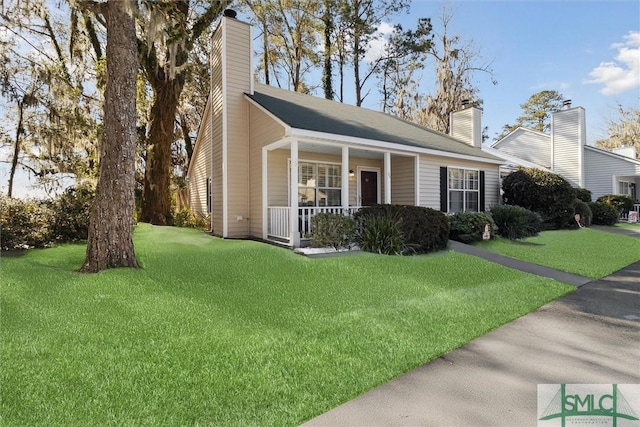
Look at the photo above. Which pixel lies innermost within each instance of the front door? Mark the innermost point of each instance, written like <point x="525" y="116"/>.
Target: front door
<point x="369" y="188"/>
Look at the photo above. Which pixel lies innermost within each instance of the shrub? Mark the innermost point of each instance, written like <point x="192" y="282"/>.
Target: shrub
<point x="546" y="193"/>
<point x="516" y="222"/>
<point x="583" y="194"/>
<point x="24" y="224"/>
<point x="582" y="208"/>
<point x="332" y="230"/>
<point x="424" y="229"/>
<point x="604" y="213"/>
<point x="381" y="234"/>
<point x="71" y="213"/>
<point x="468" y="227"/>
<point x="187" y="219"/>
<point x="621" y="203"/>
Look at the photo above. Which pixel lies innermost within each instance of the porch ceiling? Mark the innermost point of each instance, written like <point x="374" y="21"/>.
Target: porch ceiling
<point x="336" y="150"/>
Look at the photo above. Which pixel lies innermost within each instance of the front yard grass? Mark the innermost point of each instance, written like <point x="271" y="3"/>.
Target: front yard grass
<point x="586" y="252"/>
<point x="213" y="332"/>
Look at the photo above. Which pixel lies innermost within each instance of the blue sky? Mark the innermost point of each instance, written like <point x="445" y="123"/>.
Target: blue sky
<point x="556" y="45"/>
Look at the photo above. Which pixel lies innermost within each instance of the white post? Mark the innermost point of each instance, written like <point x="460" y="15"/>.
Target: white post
<point x="294" y="233"/>
<point x="345" y="178"/>
<point x="387" y="177"/>
<point x="416" y="181"/>
<point x="265" y="192"/>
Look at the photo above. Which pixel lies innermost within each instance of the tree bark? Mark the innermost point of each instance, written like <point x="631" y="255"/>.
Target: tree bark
<point x="156" y="201"/>
<point x="327" y="72"/>
<point x="110" y="242"/>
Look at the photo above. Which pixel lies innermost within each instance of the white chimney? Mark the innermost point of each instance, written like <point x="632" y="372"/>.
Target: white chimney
<point x="466" y="125"/>
<point x="568" y="138"/>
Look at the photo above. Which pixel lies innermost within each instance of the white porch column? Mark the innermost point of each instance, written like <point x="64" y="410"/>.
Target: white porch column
<point x="417" y="180"/>
<point x="265" y="194"/>
<point x="387" y="177"/>
<point x="294" y="233"/>
<point x="345" y="177"/>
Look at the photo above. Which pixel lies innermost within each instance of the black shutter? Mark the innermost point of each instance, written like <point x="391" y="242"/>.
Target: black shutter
<point x="444" y="193"/>
<point x="481" y="206"/>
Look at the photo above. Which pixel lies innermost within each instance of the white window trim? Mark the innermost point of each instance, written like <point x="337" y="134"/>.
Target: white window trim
<point x="464" y="191"/>
<point x="378" y="172"/>
<point x="628" y="193"/>
<point x="316" y="162"/>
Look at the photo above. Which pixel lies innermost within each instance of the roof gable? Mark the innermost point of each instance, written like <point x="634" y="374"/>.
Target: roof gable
<point x="311" y="113"/>
<point x="612" y="154"/>
<point x="520" y="131"/>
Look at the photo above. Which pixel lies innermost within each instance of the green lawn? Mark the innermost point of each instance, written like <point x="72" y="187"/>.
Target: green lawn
<point x="214" y="332"/>
<point x="586" y="252"/>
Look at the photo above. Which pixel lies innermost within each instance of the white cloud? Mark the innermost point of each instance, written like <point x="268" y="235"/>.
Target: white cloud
<point x="623" y="74"/>
<point x="377" y="45"/>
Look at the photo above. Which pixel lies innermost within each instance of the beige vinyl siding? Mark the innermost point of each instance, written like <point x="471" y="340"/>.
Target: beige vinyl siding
<point x="277" y="177"/>
<point x="216" y="132"/>
<point x="534" y="147"/>
<point x="601" y="168"/>
<point x="568" y="131"/>
<point x="201" y="168"/>
<point x="235" y="125"/>
<point x="263" y="130"/>
<point x="403" y="180"/>
<point x="278" y="174"/>
<point x="430" y="179"/>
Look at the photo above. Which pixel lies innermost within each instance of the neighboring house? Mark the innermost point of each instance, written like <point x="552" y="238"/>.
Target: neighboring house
<point x="266" y="160"/>
<point x="566" y="153"/>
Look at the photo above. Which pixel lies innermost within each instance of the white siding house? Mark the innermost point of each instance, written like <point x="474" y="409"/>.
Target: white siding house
<point x="566" y="153"/>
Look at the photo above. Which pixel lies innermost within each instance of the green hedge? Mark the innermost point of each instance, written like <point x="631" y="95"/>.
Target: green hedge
<point x="422" y="229"/>
<point x="332" y="230"/>
<point x="468" y="227"/>
<point x="516" y="222"/>
<point x="546" y="193"/>
<point x="622" y="203"/>
<point x="39" y="223"/>
<point x="604" y="213"/>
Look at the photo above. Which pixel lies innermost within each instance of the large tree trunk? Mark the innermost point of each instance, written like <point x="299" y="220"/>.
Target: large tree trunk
<point x="156" y="203"/>
<point x="111" y="223"/>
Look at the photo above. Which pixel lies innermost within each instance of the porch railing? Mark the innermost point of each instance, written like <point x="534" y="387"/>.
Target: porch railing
<point x="279" y="224"/>
<point x="625" y="215"/>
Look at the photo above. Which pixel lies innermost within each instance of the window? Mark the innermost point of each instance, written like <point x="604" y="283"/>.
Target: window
<point x="319" y="184"/>
<point x="464" y="190"/>
<point x="624" y="188"/>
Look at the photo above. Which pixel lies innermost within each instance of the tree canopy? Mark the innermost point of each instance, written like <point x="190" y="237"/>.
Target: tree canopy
<point x="536" y="112"/>
<point x="624" y="131"/>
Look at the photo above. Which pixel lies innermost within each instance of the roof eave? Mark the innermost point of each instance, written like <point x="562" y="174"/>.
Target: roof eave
<point x="363" y="142"/>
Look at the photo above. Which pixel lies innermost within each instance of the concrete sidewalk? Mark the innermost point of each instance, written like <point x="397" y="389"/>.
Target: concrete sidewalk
<point x="617" y="230"/>
<point x="539" y="270"/>
<point x="589" y="336"/>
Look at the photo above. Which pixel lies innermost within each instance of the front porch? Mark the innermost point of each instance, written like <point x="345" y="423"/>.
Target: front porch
<point x="280" y="226"/>
<point x="304" y="178"/>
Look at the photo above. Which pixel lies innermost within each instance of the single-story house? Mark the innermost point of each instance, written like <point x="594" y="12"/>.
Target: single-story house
<point x="566" y="153"/>
<point x="266" y="159"/>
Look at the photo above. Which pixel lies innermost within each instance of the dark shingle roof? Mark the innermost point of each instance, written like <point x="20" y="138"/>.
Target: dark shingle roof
<point x="307" y="112"/>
